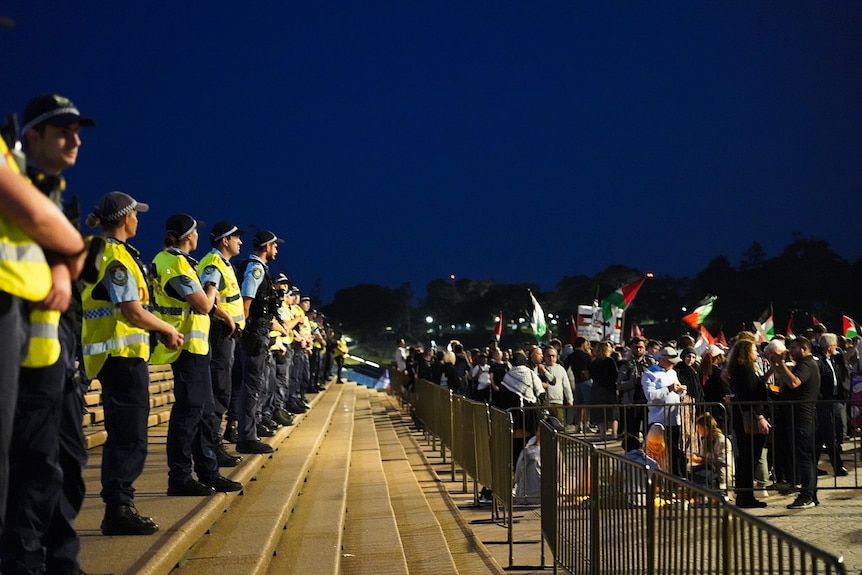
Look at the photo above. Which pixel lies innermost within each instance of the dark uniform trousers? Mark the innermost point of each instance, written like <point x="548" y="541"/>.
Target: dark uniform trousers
<point x="235" y="383"/>
<point x="314" y="367"/>
<point x="14" y="327"/>
<point x="190" y="434"/>
<point x="299" y="372"/>
<point x="279" y="386"/>
<point x="251" y="393"/>
<point x="221" y="368"/>
<point x="126" y="399"/>
<point x="47" y="457"/>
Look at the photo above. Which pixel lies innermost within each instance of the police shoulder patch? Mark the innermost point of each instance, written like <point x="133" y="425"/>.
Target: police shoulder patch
<point x="210" y="270"/>
<point x="186" y="280"/>
<point x="257" y="273"/>
<point x="119" y="275"/>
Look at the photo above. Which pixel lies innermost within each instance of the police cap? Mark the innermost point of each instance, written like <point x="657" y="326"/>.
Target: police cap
<point x="55" y="110"/>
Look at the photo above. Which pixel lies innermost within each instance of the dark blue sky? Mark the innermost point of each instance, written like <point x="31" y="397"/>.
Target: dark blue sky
<point x="519" y="141"/>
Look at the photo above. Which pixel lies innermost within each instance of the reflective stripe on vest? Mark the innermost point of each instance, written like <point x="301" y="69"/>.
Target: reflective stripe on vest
<point x="44" y="343"/>
<point x="106" y="331"/>
<point x="194" y="325"/>
<point x="116" y="343"/>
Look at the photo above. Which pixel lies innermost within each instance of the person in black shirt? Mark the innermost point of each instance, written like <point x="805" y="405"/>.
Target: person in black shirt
<point x="802" y="384"/>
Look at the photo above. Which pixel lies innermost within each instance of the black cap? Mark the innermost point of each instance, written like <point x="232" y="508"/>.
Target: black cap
<point x="115" y="205"/>
<point x="265" y="237"/>
<point x="223" y="230"/>
<point x="54" y="110"/>
<point x="181" y="225"/>
<point x="281" y="279"/>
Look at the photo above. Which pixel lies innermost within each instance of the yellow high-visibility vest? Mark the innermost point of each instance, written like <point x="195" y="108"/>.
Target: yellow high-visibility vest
<point x="230" y="298"/>
<point x="194" y="326"/>
<point x="106" y="331"/>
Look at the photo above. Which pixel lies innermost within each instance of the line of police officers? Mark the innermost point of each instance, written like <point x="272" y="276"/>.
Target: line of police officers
<point x="241" y="347"/>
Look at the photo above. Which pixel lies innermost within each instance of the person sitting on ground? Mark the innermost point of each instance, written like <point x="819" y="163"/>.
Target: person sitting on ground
<point x="709" y="464"/>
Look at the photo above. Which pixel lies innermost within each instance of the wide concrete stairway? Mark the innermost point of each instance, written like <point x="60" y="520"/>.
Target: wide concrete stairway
<point x="347" y="490"/>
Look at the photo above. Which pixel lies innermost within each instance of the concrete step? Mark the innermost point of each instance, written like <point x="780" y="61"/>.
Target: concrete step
<point x="422" y="537"/>
<point x="470" y="555"/>
<point x="311" y="541"/>
<point x="185" y="521"/>
<point x="371" y="543"/>
<point x="244" y="540"/>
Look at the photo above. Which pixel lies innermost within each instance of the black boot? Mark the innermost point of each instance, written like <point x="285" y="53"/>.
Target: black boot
<point x="224" y="458"/>
<point x="124" y="520"/>
<point x="230" y="433"/>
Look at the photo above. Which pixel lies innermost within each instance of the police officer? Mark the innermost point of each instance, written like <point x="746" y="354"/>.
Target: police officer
<point x="116" y="346"/>
<point x="30" y="225"/>
<point x="46" y="488"/>
<point x="259" y="303"/>
<point x="182" y="302"/>
<point x="299" y="366"/>
<point x="216" y="269"/>
<point x="273" y="412"/>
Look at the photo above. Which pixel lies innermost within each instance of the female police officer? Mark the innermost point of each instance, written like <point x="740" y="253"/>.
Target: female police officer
<point x="116" y="346"/>
<point x="182" y="302"/>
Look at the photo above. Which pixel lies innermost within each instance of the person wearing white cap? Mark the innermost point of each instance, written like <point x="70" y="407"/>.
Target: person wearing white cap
<point x="663" y="392"/>
<point x="116" y="347"/>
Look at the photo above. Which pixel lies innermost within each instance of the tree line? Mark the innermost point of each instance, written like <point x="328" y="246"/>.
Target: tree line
<point x="808" y="279"/>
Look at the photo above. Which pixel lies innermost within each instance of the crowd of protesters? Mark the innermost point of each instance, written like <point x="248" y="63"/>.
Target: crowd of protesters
<point x="753" y="415"/>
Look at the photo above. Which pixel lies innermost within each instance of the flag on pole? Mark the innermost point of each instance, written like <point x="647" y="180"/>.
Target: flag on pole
<point x="498" y="330"/>
<point x="814" y="320"/>
<point x="574" y="333"/>
<point x="703" y="309"/>
<point x="790" y="325"/>
<point x="851" y="328"/>
<point x="620" y="299"/>
<point x="704" y="333"/>
<point x="721" y="339"/>
<point x="540" y="327"/>
<point x="765" y="326"/>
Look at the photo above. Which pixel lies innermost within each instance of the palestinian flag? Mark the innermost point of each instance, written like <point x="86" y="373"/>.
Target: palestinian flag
<point x="721" y="339"/>
<point x="540" y="327"/>
<point x="703" y="309"/>
<point x="620" y="299"/>
<point x="851" y="328"/>
<point x="498" y="330"/>
<point x="574" y="333"/>
<point x="765" y="326"/>
<point x="790" y="325"/>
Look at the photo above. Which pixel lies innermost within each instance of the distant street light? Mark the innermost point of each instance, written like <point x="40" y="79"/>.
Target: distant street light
<point x="429" y="319"/>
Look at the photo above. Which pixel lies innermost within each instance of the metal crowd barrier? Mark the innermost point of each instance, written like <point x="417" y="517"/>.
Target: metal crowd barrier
<point x="602" y="513"/>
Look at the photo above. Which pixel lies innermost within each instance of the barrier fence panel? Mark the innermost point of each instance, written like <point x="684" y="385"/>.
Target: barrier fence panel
<point x="463" y="442"/>
<point x="614" y="515"/>
<point x="502" y="468"/>
<point x="602" y="513"/>
<point x="570" y="483"/>
<point x="398" y="385"/>
<point x="482" y="443"/>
